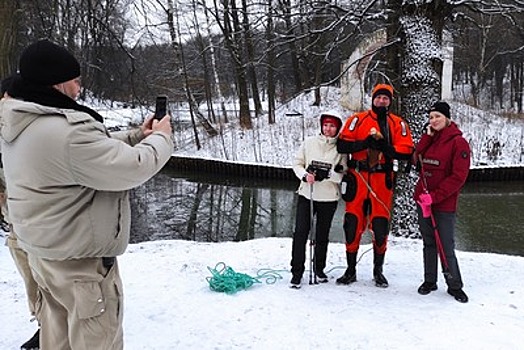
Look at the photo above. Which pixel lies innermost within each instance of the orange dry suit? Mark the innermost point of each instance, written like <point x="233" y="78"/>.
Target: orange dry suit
<point x="371" y="145"/>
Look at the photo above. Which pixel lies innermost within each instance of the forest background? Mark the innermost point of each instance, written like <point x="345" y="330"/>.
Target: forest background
<point x="204" y="53"/>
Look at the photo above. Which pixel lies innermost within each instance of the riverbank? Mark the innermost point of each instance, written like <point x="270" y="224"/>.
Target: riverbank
<point x="266" y="171"/>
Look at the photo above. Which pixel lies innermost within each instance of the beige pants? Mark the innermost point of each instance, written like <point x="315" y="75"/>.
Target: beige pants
<point x="20" y="259"/>
<point x="80" y="304"/>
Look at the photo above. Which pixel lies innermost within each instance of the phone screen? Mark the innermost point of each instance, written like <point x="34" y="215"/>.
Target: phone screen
<point x="160" y="107"/>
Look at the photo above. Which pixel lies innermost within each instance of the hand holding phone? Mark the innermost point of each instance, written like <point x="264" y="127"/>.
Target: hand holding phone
<point x="160" y="107"/>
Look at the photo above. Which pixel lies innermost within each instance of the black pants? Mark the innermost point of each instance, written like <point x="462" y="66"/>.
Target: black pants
<point x="446" y="229"/>
<point x="324" y="212"/>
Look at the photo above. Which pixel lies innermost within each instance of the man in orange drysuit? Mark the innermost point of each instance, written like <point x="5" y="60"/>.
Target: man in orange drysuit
<point x="372" y="139"/>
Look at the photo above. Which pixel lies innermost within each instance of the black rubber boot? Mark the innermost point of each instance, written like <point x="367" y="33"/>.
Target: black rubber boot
<point x="33" y="343"/>
<point x="350" y="275"/>
<point x="378" y="262"/>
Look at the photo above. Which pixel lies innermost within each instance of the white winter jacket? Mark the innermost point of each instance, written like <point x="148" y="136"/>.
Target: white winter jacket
<point x="324" y="149"/>
<point x="67" y="179"/>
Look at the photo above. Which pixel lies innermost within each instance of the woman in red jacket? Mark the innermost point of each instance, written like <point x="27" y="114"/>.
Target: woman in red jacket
<point x="444" y="168"/>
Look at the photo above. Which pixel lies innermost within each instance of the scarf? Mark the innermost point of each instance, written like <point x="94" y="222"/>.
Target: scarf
<point x="47" y="96"/>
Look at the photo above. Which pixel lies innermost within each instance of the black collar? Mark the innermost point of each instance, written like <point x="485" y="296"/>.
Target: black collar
<point x="47" y="96"/>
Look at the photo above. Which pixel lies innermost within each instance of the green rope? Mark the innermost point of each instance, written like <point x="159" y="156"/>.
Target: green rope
<point x="226" y="280"/>
<point x="271" y="276"/>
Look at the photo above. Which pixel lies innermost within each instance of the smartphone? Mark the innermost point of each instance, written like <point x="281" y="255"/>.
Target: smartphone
<point x="160" y="107"/>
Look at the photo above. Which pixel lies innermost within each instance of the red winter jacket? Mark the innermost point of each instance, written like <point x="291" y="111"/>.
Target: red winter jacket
<point x="445" y="166"/>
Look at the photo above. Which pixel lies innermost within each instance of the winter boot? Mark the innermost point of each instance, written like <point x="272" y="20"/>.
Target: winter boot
<point x="296" y="282"/>
<point x="378" y="262"/>
<point x="321" y="277"/>
<point x="350" y="275"/>
<point x="459" y="295"/>
<point x="33" y="343"/>
<point x="426" y="288"/>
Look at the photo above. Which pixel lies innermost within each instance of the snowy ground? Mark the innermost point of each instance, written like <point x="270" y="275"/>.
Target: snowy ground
<point x="169" y="305"/>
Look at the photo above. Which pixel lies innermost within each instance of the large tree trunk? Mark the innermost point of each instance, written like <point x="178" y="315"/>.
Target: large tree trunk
<point x="8" y="25"/>
<point x="421" y="86"/>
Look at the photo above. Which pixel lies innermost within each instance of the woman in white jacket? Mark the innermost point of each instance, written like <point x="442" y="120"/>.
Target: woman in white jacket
<point x="320" y="168"/>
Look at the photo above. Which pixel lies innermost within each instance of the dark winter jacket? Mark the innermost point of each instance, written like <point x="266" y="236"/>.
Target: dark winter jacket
<point x="445" y="166"/>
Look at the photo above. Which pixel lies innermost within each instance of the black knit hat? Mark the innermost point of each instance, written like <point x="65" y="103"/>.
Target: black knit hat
<point x="441" y="107"/>
<point x="45" y="63"/>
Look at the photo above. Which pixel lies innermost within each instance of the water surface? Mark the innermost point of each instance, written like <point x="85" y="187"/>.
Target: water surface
<point x="208" y="208"/>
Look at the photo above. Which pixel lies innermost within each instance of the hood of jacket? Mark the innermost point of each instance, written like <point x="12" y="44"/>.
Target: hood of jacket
<point x="17" y="115"/>
<point x="334" y="115"/>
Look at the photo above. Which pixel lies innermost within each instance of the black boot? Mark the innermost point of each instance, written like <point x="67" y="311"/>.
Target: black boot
<point x="378" y="262"/>
<point x="459" y="295"/>
<point x="33" y="343"/>
<point x="350" y="275"/>
<point x="296" y="281"/>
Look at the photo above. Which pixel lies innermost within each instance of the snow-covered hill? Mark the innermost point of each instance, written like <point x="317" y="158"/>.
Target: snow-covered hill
<point x="494" y="140"/>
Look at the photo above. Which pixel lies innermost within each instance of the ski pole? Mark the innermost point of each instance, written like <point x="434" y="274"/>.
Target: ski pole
<point x="312" y="256"/>
<point x="438" y="241"/>
<point x="440" y="248"/>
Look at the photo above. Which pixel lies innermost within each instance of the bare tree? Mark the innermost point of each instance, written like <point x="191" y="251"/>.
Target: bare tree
<point x="9" y="11"/>
<point x="270" y="63"/>
<point x="231" y="29"/>
<point x="250" y="52"/>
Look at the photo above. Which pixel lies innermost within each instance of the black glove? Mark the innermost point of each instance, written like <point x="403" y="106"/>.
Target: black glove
<point x="385" y="148"/>
<point x="381" y="145"/>
<point x="370" y="142"/>
<point x="338" y="168"/>
<point x="373" y="143"/>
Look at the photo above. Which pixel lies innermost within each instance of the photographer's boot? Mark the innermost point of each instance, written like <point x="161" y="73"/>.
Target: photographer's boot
<point x="378" y="277"/>
<point x="350" y="275"/>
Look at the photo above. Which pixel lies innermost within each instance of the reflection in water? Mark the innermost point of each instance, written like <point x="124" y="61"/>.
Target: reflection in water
<point x="169" y="207"/>
<point x="201" y="208"/>
<point x="490" y="218"/>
